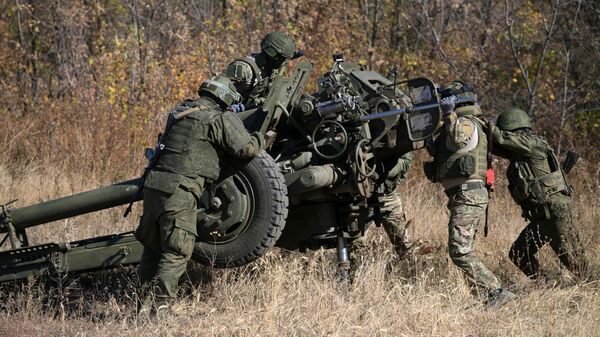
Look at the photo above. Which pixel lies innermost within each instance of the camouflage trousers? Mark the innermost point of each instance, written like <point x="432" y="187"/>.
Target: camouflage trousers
<point x="168" y="232"/>
<point x="467" y="208"/>
<point x="393" y="221"/>
<point x="558" y="231"/>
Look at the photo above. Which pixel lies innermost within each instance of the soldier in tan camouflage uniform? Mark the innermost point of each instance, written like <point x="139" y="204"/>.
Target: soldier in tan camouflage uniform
<point x="460" y="165"/>
<point x="390" y="214"/>
<point x="199" y="134"/>
<point x="391" y="209"/>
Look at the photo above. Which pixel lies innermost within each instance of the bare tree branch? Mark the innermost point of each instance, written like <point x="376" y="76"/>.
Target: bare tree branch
<point x="437" y="41"/>
<point x="549" y="29"/>
<point x="566" y="42"/>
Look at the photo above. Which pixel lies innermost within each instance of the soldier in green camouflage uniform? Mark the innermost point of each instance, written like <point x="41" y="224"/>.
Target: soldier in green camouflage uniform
<point x="252" y="75"/>
<point x="460" y="165"/>
<point x="199" y="134"/>
<point x="537" y="183"/>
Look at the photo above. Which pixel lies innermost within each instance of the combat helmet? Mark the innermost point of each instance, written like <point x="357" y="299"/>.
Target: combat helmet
<point x="460" y="89"/>
<point x="278" y="45"/>
<point x="221" y="89"/>
<point x="513" y="119"/>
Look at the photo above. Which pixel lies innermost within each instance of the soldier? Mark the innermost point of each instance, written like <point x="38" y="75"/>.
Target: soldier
<point x="252" y="75"/>
<point x="537" y="183"/>
<point x="392" y="216"/>
<point x="391" y="210"/>
<point x="460" y="165"/>
<point x="198" y="133"/>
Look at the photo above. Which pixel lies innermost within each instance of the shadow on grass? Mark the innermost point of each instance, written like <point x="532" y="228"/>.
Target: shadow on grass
<point x="97" y="296"/>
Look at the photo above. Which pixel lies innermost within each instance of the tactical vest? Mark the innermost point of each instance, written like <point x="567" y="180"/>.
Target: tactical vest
<point x="472" y="164"/>
<point x="526" y="183"/>
<point x="187" y="149"/>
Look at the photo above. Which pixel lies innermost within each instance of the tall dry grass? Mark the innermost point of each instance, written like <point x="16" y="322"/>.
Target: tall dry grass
<point x="293" y="294"/>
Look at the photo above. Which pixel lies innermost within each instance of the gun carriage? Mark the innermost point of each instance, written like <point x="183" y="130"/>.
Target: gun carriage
<point x="314" y="186"/>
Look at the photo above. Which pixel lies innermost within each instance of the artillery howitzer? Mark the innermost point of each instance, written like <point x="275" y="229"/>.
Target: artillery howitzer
<point x="331" y="148"/>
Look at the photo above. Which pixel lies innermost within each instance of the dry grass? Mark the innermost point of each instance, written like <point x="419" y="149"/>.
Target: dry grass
<point x="292" y="294"/>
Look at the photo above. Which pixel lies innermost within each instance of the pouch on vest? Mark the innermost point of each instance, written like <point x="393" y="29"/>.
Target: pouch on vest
<point x="555" y="166"/>
<point x="546" y="186"/>
<point x="466" y="166"/>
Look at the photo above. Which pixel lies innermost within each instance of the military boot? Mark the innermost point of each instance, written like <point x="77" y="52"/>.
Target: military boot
<point x="153" y="305"/>
<point x="499" y="297"/>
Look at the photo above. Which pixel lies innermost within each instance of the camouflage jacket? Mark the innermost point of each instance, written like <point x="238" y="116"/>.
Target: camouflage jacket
<point x="523" y="147"/>
<point x="196" y="144"/>
<point x="534" y="174"/>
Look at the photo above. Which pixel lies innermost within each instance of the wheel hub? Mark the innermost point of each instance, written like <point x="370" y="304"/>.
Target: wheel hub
<point x="226" y="213"/>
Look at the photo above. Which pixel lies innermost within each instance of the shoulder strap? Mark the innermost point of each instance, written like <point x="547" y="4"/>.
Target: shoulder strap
<point x="552" y="160"/>
<point x="181" y="114"/>
<point x="202" y="104"/>
<point x="482" y="122"/>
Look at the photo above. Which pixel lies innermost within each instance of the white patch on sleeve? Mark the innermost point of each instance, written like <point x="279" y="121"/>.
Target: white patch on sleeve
<point x="471" y="144"/>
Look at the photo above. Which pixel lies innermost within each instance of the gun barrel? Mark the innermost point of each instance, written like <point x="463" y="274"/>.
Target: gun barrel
<point x="77" y="204"/>
<point x="415" y="108"/>
<point x="382" y="114"/>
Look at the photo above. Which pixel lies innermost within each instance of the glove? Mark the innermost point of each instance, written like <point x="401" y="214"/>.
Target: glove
<point x="447" y="105"/>
<point x="239" y="107"/>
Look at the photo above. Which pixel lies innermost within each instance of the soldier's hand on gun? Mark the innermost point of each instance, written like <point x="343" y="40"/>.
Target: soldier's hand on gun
<point x="238" y="107"/>
<point x="447" y="104"/>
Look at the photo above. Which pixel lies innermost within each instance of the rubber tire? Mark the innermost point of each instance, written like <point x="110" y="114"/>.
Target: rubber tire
<point x="268" y="219"/>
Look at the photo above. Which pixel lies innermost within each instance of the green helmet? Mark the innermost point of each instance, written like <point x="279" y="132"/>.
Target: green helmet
<point x="513" y="119"/>
<point x="220" y="88"/>
<point x="459" y="89"/>
<point x="278" y="44"/>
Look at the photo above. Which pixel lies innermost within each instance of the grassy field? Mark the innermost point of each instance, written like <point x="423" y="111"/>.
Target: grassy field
<point x="293" y="294"/>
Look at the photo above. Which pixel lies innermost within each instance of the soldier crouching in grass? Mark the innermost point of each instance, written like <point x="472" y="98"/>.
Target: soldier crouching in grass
<point x="537" y="183"/>
<point x="198" y="134"/>
<point x="460" y="165"/>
